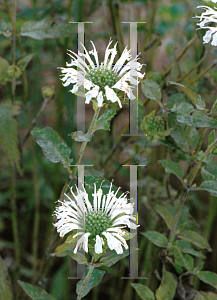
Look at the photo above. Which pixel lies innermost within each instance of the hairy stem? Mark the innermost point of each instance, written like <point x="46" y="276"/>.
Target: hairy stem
<point x="86" y="279"/>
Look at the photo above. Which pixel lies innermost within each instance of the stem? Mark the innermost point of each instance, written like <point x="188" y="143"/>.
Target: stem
<point x="185" y="193"/>
<point x="13" y="48"/>
<point x="86" y="279"/>
<point x="15" y="225"/>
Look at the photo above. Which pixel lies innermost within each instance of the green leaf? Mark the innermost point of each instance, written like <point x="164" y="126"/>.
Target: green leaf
<point x="94" y="280"/>
<point x="185" y="246"/>
<point x="5" y="28"/>
<point x="195" y="98"/>
<point x="179" y="259"/>
<point x="165" y="214"/>
<point x="214" y="107"/>
<point x="60" y="250"/>
<point x="34" y="292"/>
<point x="23" y="62"/>
<point x="172" y="167"/>
<point x="110" y="260"/>
<point x="54" y="148"/>
<point x="47" y="28"/>
<point x="5" y="282"/>
<point x="208" y="277"/>
<point x="79" y="257"/>
<point x="156" y="238"/>
<point x="210" y="186"/>
<point x="188" y="115"/>
<point x="151" y="89"/>
<point x="143" y="291"/>
<point x="195" y="238"/>
<point x="79" y="136"/>
<point x="103" y="121"/>
<point x="209" y="172"/>
<point x="209" y="296"/>
<point x="167" y="288"/>
<point x="8" y="133"/>
<point x="211" y="137"/>
<point x="189" y="262"/>
<point x="185" y="137"/>
<point x="4" y="64"/>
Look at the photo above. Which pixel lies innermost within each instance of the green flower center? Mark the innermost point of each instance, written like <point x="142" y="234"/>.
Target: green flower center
<point x="96" y="222"/>
<point x="101" y="76"/>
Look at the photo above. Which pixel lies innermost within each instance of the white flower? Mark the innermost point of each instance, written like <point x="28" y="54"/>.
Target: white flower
<point x="101" y="222"/>
<point x="101" y="81"/>
<point x="209" y="17"/>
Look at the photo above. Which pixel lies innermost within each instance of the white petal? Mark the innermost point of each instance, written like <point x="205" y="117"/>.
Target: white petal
<point x="113" y="54"/>
<point x="87" y="84"/>
<point x="95" y="53"/>
<point x="110" y="95"/>
<point x="107" y="52"/>
<point x="75" y="88"/>
<point x="92" y="94"/>
<point x="124" y="56"/>
<point x="214" y="40"/>
<point x="87" y="56"/>
<point x="82" y="241"/>
<point x="100" y="99"/>
<point x="98" y="244"/>
<point x="207" y="36"/>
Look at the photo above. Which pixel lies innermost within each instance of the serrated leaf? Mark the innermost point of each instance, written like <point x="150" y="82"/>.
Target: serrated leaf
<point x="165" y="214"/>
<point x="210" y="186"/>
<point x="46" y="28"/>
<point x="195" y="238"/>
<point x="208" y="277"/>
<point x="195" y="98"/>
<point x="188" y="115"/>
<point x="54" y="148"/>
<point x="171" y="167"/>
<point x="8" y="135"/>
<point x="35" y="292"/>
<point x="156" y="238"/>
<point x="151" y="89"/>
<point x="185" y="246"/>
<point x="110" y="260"/>
<point x="209" y="172"/>
<point x="94" y="280"/>
<point x="167" y="288"/>
<point x="5" y="282"/>
<point x="143" y="291"/>
<point x="103" y="121"/>
<point x="79" y="136"/>
<point x="23" y="62"/>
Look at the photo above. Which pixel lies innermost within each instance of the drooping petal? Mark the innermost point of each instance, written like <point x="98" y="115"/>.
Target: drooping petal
<point x="98" y="244"/>
<point x="111" y="95"/>
<point x="82" y="241"/>
<point x="100" y="99"/>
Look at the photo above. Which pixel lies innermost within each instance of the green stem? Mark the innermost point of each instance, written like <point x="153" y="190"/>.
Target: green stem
<point x="185" y="192"/>
<point x="86" y="279"/>
<point x="15" y="225"/>
<point x="13" y="48"/>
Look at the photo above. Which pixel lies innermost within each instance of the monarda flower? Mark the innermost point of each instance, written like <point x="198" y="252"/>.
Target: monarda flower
<point x="99" y="224"/>
<point x="208" y="20"/>
<point x="102" y="81"/>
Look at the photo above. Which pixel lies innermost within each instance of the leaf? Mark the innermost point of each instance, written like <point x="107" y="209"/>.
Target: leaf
<point x="103" y="121"/>
<point x="8" y="134"/>
<point x="5" y="282"/>
<point x="214" y="107"/>
<point x="210" y="186"/>
<point x="5" y="28"/>
<point x="60" y="250"/>
<point x="165" y="214"/>
<point x="156" y="238"/>
<point x="79" y="136"/>
<point x="4" y="64"/>
<point x="94" y="280"/>
<point x="209" y="172"/>
<point x="172" y="167"/>
<point x="185" y="246"/>
<point x="195" y="98"/>
<point x="151" y="90"/>
<point x="195" y="238"/>
<point x="34" y="292"/>
<point x="23" y="62"/>
<point x="79" y="257"/>
<point x="180" y="134"/>
<point x="188" y="115"/>
<point x="209" y="295"/>
<point x="208" y="277"/>
<point x="110" y="260"/>
<point x="54" y="148"/>
<point x="167" y="288"/>
<point x="143" y="291"/>
<point x="47" y="28"/>
<point x="211" y="137"/>
<point x="178" y="258"/>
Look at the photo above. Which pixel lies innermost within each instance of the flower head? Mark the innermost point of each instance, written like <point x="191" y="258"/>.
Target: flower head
<point x="209" y="17"/>
<point x="98" y="223"/>
<point x="103" y="80"/>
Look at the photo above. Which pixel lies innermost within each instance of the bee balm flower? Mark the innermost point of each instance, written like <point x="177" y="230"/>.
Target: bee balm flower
<point x="209" y="17"/>
<point x="103" y="80"/>
<point x="101" y="222"/>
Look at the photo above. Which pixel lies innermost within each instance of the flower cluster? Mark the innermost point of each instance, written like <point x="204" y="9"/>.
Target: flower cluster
<point x="208" y="18"/>
<point x="101" y="80"/>
<point x="100" y="223"/>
